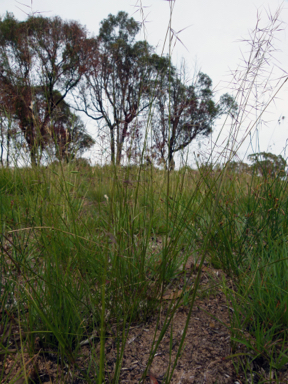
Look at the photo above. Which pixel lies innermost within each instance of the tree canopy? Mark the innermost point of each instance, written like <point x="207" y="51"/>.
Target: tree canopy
<point x="184" y="112"/>
<point x="117" y="80"/>
<point x="116" y="87"/>
<point x="40" y="59"/>
<point x="267" y="164"/>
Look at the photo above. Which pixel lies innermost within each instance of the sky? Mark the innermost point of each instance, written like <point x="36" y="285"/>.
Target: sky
<point x="210" y="37"/>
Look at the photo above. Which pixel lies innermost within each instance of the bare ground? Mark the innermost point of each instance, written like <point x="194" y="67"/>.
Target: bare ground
<point x="205" y="358"/>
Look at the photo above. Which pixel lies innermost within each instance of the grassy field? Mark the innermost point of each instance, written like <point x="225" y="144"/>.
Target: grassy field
<point x="88" y="253"/>
<point x="77" y="258"/>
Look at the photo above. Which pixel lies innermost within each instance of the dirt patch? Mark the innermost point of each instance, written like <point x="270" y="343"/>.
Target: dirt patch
<point x="205" y="356"/>
<point x="207" y="344"/>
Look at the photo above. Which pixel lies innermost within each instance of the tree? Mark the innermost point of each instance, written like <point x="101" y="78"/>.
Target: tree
<point x="268" y="164"/>
<point x="184" y="112"/>
<point x="38" y="57"/>
<point x="72" y="139"/>
<point x="116" y="87"/>
<point x="8" y="135"/>
<point x="238" y="167"/>
<point x="68" y="135"/>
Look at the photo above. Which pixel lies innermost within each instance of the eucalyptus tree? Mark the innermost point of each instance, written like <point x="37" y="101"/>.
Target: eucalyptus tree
<point x="268" y="165"/>
<point x="117" y="87"/>
<point x="38" y="57"/>
<point x="68" y="135"/>
<point x="184" y="112"/>
<point x="8" y="133"/>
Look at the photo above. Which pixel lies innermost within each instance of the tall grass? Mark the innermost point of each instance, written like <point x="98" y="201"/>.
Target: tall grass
<point x="74" y="263"/>
<point x="77" y="262"/>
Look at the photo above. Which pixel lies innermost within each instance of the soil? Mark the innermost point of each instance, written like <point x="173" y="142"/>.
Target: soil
<point x="205" y="358"/>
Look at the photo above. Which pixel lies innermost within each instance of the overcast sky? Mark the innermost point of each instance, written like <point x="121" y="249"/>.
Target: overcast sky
<point x="213" y="41"/>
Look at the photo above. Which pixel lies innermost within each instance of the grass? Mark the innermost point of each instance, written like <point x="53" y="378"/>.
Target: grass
<point x="60" y="261"/>
<point x="74" y="262"/>
<point x="81" y="258"/>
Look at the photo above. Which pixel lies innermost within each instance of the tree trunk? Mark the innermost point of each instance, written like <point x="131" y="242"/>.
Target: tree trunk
<point x="171" y="164"/>
<point x="33" y="156"/>
<point x="119" y="152"/>
<point x="120" y="142"/>
<point x="170" y="157"/>
<point x="2" y="142"/>
<point x="8" y="144"/>
<point x="112" y="145"/>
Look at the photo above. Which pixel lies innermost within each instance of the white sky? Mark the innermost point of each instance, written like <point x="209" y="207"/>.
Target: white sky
<point x="212" y="40"/>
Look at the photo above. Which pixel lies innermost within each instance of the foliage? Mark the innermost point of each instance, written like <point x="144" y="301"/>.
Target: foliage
<point x="69" y="137"/>
<point x="115" y="88"/>
<point x="41" y="59"/>
<point x="114" y="79"/>
<point x="184" y="112"/>
<point x="238" y="167"/>
<point x="267" y="164"/>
